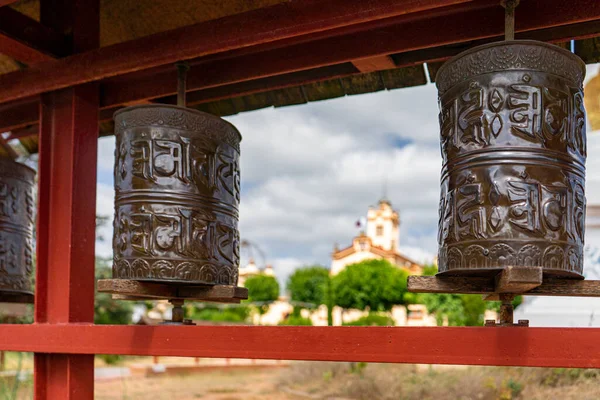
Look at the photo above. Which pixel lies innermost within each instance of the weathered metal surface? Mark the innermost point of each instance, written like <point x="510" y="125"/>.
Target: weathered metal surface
<point x="17" y="204"/>
<point x="513" y="144"/>
<point x="177" y="189"/>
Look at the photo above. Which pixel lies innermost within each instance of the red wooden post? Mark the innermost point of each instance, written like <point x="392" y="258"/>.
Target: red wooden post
<point x="67" y="208"/>
<point x="66" y="234"/>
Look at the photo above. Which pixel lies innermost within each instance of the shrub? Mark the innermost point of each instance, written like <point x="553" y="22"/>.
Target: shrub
<point x="294" y="320"/>
<point x="372" y="319"/>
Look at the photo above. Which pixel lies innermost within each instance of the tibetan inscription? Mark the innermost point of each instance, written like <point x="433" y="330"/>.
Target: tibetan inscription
<point x="512" y="130"/>
<point x="177" y="188"/>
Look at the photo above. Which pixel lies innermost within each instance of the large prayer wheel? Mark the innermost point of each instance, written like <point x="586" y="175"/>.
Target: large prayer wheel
<point x="17" y="205"/>
<point x="513" y="143"/>
<point x="177" y="191"/>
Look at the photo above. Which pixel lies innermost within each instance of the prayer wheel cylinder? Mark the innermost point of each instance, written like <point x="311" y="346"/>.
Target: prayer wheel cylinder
<point x="513" y="143"/>
<point x="17" y="205"/>
<point x="177" y="193"/>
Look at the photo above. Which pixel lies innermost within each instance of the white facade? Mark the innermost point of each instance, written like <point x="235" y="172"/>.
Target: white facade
<point x="381" y="241"/>
<point x="383" y="226"/>
<point x="362" y="251"/>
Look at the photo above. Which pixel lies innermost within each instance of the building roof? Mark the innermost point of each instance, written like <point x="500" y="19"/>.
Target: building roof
<point x="341" y="48"/>
<point x="378" y="251"/>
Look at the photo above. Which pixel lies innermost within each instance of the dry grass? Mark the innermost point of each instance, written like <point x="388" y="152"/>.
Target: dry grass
<point x="329" y="381"/>
<point x="406" y="382"/>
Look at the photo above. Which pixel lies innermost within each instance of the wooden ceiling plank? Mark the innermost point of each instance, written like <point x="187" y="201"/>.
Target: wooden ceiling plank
<point x="289" y="19"/>
<point x="372" y="64"/>
<point x="28" y="41"/>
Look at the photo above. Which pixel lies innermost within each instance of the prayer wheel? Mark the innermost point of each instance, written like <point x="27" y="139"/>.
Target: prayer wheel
<point x="177" y="191"/>
<point x="513" y="144"/>
<point x="17" y="205"/>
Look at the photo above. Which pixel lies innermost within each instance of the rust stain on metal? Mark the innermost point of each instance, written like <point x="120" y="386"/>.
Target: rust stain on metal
<point x="177" y="189"/>
<point x="513" y="142"/>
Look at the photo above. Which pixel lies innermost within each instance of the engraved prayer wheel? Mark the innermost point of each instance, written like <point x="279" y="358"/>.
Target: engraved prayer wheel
<point x="177" y="192"/>
<point x="17" y="205"/>
<point x="513" y="143"/>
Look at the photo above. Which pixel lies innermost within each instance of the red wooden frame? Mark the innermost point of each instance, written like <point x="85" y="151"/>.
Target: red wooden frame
<point x="63" y="336"/>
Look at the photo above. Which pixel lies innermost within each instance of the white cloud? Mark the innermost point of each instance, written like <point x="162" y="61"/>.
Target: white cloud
<point x="106" y="154"/>
<point x="105" y="197"/>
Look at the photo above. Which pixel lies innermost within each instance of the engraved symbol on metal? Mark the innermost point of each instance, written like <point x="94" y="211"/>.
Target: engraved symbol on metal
<point x="177" y="189"/>
<point x="17" y="204"/>
<point x="512" y="129"/>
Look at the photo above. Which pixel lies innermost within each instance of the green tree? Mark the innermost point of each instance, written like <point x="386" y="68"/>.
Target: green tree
<point x="374" y="284"/>
<point x="262" y="290"/>
<point x="309" y="285"/>
<point x="372" y="319"/>
<point x="312" y="287"/>
<point x="219" y="313"/>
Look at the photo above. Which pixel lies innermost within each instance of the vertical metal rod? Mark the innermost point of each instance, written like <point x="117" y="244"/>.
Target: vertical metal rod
<point x="509" y="18"/>
<point x="182" y="69"/>
<point x="178" y="313"/>
<point x="506" y="309"/>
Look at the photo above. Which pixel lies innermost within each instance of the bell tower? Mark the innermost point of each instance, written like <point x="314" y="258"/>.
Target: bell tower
<point x="383" y="226"/>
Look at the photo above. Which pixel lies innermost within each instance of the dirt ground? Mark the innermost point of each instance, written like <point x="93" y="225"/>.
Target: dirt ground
<point x="344" y="381"/>
<point x="260" y="384"/>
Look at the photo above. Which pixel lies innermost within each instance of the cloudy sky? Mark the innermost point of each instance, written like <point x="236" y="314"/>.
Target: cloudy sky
<point x="310" y="171"/>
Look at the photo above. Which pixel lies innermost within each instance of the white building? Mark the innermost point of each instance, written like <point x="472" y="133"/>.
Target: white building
<point x="251" y="269"/>
<point x="380" y="241"/>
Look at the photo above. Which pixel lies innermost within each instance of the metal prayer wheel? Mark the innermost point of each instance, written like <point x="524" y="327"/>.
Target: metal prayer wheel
<point x="177" y="191"/>
<point x="17" y="205"/>
<point x="513" y="143"/>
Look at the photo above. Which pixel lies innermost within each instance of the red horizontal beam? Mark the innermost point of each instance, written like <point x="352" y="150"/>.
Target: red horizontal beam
<point x="288" y="19"/>
<point x="518" y="346"/>
<point x="26" y="40"/>
<point x="414" y="35"/>
<point x="14" y="117"/>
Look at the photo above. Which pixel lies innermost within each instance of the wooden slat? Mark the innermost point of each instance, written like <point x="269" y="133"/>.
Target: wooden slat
<point x="486" y="286"/>
<point x="19" y="115"/>
<point x="371" y="64"/>
<point x="573" y="288"/>
<point x="150" y="290"/>
<point x="588" y="50"/>
<point x="518" y="279"/>
<point x="435" y="284"/>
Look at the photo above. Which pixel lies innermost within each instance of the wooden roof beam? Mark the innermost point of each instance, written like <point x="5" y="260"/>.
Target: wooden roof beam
<point x="21" y="114"/>
<point x="28" y="41"/>
<point x="285" y="20"/>
<point x="479" y="24"/>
